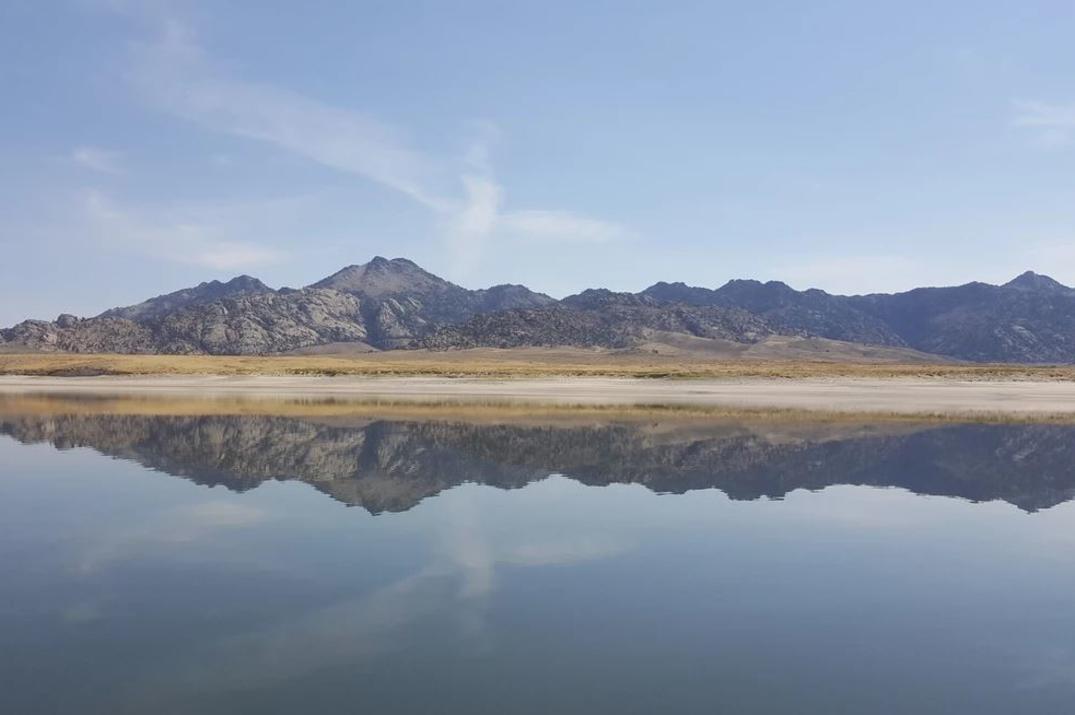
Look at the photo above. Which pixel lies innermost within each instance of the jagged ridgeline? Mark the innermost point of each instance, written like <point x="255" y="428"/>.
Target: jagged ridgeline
<point x="395" y="304"/>
<point x="390" y="466"/>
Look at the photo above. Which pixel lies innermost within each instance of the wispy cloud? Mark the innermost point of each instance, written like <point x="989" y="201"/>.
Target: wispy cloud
<point x="181" y="525"/>
<point x="97" y="159"/>
<point x="561" y="225"/>
<point x="235" y="255"/>
<point x="175" y="72"/>
<point x="1053" y="124"/>
<point x="180" y="234"/>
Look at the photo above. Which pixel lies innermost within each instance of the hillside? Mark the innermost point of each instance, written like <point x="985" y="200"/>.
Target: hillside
<point x="391" y="304"/>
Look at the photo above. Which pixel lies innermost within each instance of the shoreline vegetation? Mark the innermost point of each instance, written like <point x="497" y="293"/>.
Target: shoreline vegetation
<point x="522" y="384"/>
<point x="504" y="364"/>
<point x="347" y="411"/>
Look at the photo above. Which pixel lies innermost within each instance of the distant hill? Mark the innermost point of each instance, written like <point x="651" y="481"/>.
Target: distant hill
<point x="390" y="304"/>
<point x="401" y="302"/>
<point x="1029" y="319"/>
<point x="384" y="304"/>
<point x="202" y="293"/>
<point x="812" y="312"/>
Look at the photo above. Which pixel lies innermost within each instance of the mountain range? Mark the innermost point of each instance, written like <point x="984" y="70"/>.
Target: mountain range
<point x="395" y="304"/>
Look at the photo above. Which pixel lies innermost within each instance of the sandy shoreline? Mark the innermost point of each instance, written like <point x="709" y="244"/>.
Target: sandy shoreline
<point x="902" y="396"/>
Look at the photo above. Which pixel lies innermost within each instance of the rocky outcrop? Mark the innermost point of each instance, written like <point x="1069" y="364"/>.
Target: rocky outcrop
<point x="402" y="302"/>
<point x="812" y="312"/>
<point x="384" y="303"/>
<point x="255" y="323"/>
<point x="609" y="321"/>
<point x="76" y="335"/>
<point x="1030" y="319"/>
<point x="162" y="305"/>
<point x="243" y="324"/>
<point x="388" y="304"/>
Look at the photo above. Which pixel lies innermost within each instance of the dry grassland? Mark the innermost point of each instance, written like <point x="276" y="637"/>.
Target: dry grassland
<point x="526" y="363"/>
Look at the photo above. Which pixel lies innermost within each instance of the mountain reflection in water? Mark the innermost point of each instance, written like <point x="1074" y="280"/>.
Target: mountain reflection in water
<point x="390" y="465"/>
<point x="127" y="591"/>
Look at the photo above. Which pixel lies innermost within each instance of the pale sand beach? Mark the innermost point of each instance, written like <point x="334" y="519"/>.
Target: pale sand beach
<point x="899" y="396"/>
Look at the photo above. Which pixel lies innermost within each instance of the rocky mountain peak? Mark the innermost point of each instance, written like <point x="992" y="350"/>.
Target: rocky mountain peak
<point x="382" y="277"/>
<point x="507" y="296"/>
<point x="243" y="283"/>
<point x="680" y="292"/>
<point x="755" y="295"/>
<point x="204" y="292"/>
<point x="752" y="284"/>
<point x="666" y="286"/>
<point x="597" y="298"/>
<point x="1036" y="282"/>
<point x="394" y="303"/>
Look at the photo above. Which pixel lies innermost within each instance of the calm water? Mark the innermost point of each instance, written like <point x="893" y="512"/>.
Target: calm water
<point x="225" y="564"/>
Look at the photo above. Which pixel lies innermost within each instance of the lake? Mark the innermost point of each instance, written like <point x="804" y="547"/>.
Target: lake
<point x="310" y="557"/>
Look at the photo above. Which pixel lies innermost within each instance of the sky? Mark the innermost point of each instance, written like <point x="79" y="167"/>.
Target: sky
<point x="849" y="146"/>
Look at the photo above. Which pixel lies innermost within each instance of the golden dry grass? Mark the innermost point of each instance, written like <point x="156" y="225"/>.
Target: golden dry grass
<point x="504" y="364"/>
<point x="493" y="412"/>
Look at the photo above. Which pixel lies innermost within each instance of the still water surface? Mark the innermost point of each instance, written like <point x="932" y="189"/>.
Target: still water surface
<point x="258" y="563"/>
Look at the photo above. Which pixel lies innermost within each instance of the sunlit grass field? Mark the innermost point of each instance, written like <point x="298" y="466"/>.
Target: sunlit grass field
<point x="505" y="364"/>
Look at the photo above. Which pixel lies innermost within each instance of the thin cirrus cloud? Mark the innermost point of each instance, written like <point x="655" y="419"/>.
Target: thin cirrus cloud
<point x="177" y="75"/>
<point x="191" y="236"/>
<point x="561" y="225"/>
<point x="1054" y="124"/>
<point x="181" y="525"/>
<point x="97" y="159"/>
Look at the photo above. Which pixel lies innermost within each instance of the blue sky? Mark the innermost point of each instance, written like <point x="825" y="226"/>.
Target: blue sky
<point x="843" y="145"/>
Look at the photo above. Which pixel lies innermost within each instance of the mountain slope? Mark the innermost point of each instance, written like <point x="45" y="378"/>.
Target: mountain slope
<point x="1029" y="319"/>
<point x="387" y="304"/>
<point x="242" y="324"/>
<point x="401" y="301"/>
<point x="199" y="294"/>
<point x="599" y="318"/>
<point x="383" y="303"/>
<point x="812" y="312"/>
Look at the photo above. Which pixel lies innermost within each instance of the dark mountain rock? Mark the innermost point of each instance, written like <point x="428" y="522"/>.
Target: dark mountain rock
<point x="598" y="319"/>
<point x="384" y="303"/>
<point x="199" y="294"/>
<point x="241" y="324"/>
<point x="394" y="303"/>
<point x="602" y="298"/>
<point x="257" y="323"/>
<point x="93" y="335"/>
<point x="508" y="296"/>
<point x="1030" y="319"/>
<point x="383" y="278"/>
<point x="679" y="292"/>
<point x="1031" y="281"/>
<point x="812" y="312"/>
<point x="66" y="320"/>
<point x="402" y="280"/>
<point x="402" y="302"/>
